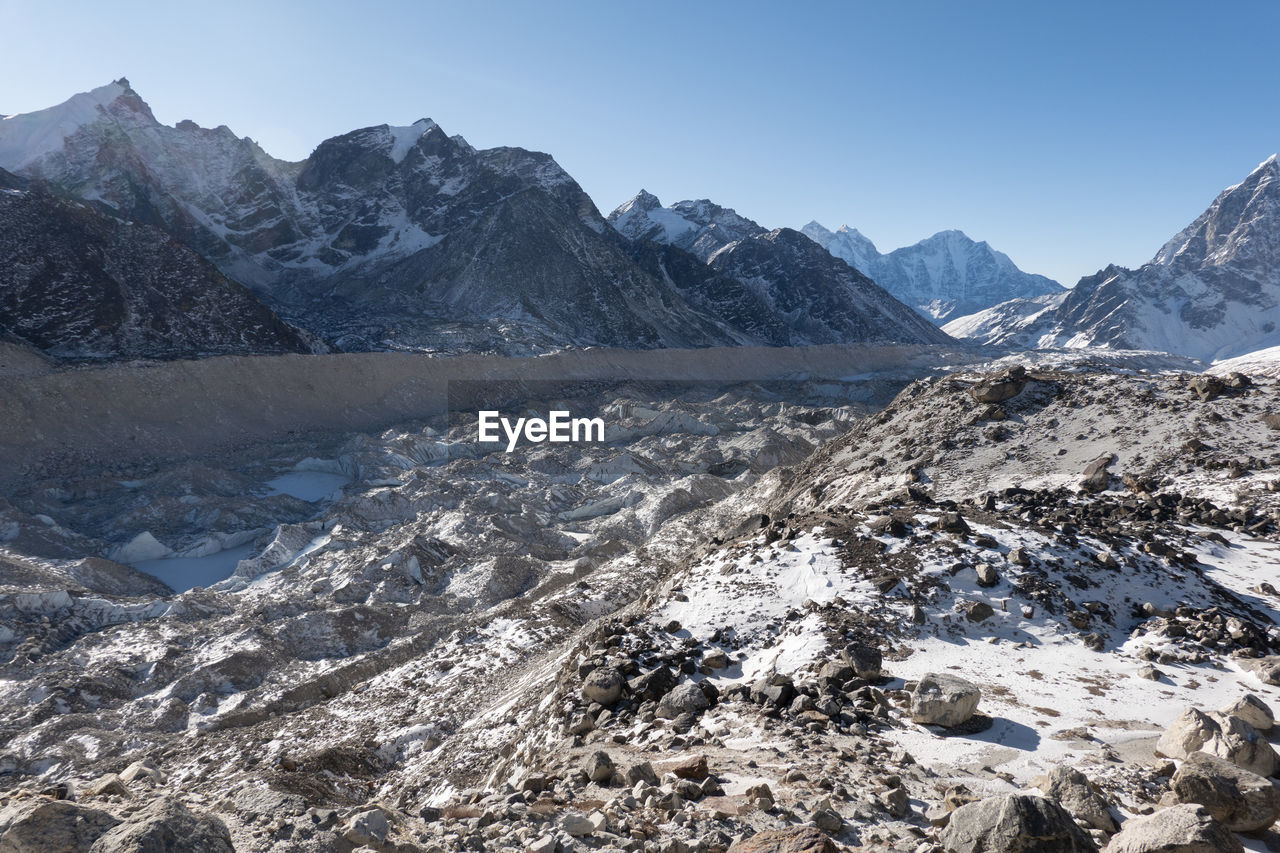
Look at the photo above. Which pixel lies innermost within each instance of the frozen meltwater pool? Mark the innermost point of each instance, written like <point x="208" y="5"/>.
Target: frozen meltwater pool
<point x="183" y="573"/>
<point x="308" y="485"/>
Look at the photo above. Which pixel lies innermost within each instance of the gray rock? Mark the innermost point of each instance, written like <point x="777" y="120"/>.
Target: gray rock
<point x="978" y="611"/>
<point x="1189" y="731"/>
<point x="998" y="390"/>
<point x="686" y="698"/>
<point x="1074" y="792"/>
<point x="828" y="820"/>
<point x="56" y="826"/>
<point x="1244" y="746"/>
<point x="1267" y="669"/>
<point x="1242" y="801"/>
<point x="715" y="659"/>
<point x="1207" y="387"/>
<point x="603" y="685"/>
<point x="369" y="827"/>
<point x="944" y="700"/>
<point x="1096" y="475"/>
<point x="166" y="826"/>
<point x="576" y="824"/>
<point x="1178" y="829"/>
<point x="1253" y="711"/>
<point x="640" y="772"/>
<point x="599" y="767"/>
<point x="1014" y="823"/>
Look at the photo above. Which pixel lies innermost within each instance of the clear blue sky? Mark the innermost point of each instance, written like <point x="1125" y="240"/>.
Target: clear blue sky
<point x="1067" y="135"/>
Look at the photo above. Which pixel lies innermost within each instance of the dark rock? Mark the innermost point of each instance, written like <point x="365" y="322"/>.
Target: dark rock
<point x="167" y="826"/>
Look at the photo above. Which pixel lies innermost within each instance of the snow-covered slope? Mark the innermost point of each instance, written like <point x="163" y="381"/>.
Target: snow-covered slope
<point x="944" y="276"/>
<point x="1212" y="292"/>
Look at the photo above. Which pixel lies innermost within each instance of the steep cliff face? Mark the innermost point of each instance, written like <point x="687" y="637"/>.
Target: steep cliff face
<point x="79" y="284"/>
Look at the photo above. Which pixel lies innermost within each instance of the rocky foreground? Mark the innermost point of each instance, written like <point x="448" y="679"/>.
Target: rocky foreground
<point x="1031" y="609"/>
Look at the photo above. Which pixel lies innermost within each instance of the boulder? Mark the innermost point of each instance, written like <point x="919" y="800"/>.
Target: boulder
<point x="944" y="700"/>
<point x="866" y="661"/>
<point x="952" y="522"/>
<point x="1267" y="669"/>
<point x="1242" y="801"/>
<point x="978" y="611"/>
<point x="1207" y="387"/>
<point x="603" y="685"/>
<point x="715" y="659"/>
<point x="166" y="826"/>
<point x="1014" y="823"/>
<point x="1178" y="829"/>
<point x="694" y="768"/>
<point x="1189" y="731"/>
<point x="1252" y="710"/>
<point x="369" y="827"/>
<point x="1096" y="475"/>
<point x="55" y="826"/>
<point x="1244" y="746"/>
<point x="685" y="698"/>
<point x="1005" y="386"/>
<point x="599" y="767"/>
<point x="800" y="839"/>
<point x="1229" y="737"/>
<point x="653" y="684"/>
<point x="576" y="824"/>
<point x="1072" y="790"/>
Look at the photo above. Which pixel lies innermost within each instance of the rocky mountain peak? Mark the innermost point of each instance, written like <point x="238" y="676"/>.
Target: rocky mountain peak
<point x="1212" y="292"/>
<point x="27" y="137"/>
<point x="1241" y="224"/>
<point x="945" y="276"/>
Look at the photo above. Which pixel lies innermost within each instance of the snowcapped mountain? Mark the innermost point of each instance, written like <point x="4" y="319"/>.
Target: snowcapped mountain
<point x="848" y="244"/>
<point x="79" y="284"/>
<point x="1212" y="292"/>
<point x="943" y="277"/>
<point x="384" y="237"/>
<point x="775" y="287"/>
<point x="700" y="227"/>
<point x="406" y="237"/>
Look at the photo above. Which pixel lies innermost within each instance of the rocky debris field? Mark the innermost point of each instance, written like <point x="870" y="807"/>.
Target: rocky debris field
<point x="1031" y="608"/>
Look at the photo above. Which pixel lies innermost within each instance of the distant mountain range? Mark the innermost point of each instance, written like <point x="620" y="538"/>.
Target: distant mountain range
<point x="778" y="286"/>
<point x="406" y="237"/>
<point x="127" y="238"/>
<point x="1212" y="292"/>
<point x="943" y="277"/>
